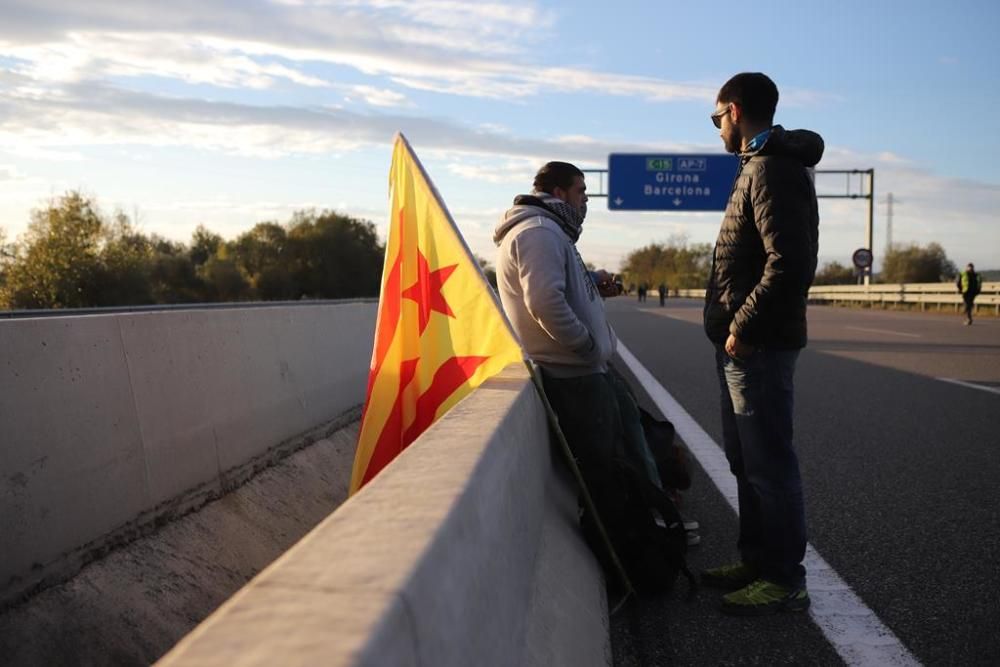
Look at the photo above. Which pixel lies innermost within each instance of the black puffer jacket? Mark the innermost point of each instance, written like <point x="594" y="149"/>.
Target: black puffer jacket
<point x="765" y="256"/>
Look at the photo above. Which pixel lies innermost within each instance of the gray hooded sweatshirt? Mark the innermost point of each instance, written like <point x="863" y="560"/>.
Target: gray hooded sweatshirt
<point x="548" y="294"/>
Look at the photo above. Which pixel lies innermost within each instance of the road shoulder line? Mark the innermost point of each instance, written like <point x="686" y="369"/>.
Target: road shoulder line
<point x="970" y="385"/>
<point x="854" y="631"/>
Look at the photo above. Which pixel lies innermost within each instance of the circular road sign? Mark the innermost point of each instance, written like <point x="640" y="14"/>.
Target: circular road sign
<point x="862" y="258"/>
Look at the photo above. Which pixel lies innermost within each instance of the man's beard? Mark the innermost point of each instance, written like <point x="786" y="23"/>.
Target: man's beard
<point x="732" y="142"/>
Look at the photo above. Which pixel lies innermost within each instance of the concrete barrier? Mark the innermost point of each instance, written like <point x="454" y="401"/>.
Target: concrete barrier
<point x="464" y="550"/>
<point x="112" y="423"/>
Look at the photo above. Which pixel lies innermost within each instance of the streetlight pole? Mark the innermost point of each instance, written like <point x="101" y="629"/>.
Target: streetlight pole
<point x="871" y="223"/>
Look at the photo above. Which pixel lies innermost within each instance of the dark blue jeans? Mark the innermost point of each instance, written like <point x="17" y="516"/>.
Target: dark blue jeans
<point x="600" y="420"/>
<point x="757" y="400"/>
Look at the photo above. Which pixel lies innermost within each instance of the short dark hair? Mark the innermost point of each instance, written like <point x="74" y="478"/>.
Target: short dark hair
<point x="556" y="175"/>
<point x="754" y="92"/>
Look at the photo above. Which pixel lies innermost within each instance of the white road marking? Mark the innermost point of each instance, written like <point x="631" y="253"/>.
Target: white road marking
<point x="853" y="629"/>
<point x="692" y="319"/>
<point x="885" y="331"/>
<point x="901" y="317"/>
<point x="971" y="385"/>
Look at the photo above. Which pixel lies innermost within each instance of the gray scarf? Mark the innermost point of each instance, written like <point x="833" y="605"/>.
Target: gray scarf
<point x="569" y="218"/>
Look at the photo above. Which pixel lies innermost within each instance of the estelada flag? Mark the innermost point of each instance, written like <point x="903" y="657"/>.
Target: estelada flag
<point x="440" y="332"/>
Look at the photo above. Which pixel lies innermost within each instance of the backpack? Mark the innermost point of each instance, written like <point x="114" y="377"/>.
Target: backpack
<point x="647" y="534"/>
<point x="672" y="458"/>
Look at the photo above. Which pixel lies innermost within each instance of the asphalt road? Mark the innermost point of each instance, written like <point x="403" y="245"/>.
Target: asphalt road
<point x="901" y="470"/>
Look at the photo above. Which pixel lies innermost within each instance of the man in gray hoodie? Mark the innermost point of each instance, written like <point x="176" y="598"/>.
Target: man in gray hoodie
<point x="557" y="311"/>
<point x="544" y="285"/>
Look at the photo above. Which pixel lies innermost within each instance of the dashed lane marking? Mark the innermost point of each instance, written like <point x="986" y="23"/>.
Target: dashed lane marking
<point x="885" y="331"/>
<point x="855" y="632"/>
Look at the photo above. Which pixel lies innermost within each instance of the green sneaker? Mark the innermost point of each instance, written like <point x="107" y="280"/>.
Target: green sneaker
<point x="763" y="597"/>
<point x="729" y="577"/>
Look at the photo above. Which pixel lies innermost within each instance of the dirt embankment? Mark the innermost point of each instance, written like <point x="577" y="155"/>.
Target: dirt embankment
<point x="132" y="606"/>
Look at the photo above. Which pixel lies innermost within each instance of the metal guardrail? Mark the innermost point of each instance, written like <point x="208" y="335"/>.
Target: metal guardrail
<point x="922" y="294"/>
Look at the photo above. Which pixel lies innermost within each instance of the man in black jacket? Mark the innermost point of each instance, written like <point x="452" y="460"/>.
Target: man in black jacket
<point x="755" y="313"/>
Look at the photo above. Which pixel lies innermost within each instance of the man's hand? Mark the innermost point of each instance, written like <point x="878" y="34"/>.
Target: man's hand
<point x="606" y="284"/>
<point x="737" y="349"/>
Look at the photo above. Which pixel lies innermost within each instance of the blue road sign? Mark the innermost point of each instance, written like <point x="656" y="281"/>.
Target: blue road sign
<point x="670" y="182"/>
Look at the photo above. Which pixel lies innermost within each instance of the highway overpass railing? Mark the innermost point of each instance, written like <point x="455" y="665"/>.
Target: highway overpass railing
<point x="922" y="295"/>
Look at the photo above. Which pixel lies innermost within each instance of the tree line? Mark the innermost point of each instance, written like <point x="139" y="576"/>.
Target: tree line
<point x="73" y="256"/>
<point x="907" y="263"/>
<point x="682" y="266"/>
<point x="673" y="263"/>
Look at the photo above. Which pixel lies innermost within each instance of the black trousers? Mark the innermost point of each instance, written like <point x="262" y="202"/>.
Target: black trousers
<point x="969" y="300"/>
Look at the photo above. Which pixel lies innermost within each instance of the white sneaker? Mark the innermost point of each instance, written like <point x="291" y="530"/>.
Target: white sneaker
<point x="693" y="539"/>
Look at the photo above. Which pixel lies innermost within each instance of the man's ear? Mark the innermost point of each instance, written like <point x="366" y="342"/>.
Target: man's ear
<point x="735" y="113"/>
<point x="559" y="193"/>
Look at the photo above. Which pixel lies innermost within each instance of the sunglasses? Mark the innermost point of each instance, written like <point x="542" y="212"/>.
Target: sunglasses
<point x="717" y="117"/>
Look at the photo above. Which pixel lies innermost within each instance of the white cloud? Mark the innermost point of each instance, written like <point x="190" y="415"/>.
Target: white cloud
<point x="518" y="172"/>
<point x="237" y="205"/>
<point x="458" y="14"/>
<point x="9" y="173"/>
<point x="887" y="157"/>
<point x="441" y="46"/>
<point x="82" y="56"/>
<point x="380" y="97"/>
<point x="18" y="147"/>
<point x="92" y="114"/>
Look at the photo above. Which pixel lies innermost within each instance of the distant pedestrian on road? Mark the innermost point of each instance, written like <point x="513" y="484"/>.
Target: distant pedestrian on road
<point x="755" y="313"/>
<point x="662" y="289"/>
<point x="969" y="284"/>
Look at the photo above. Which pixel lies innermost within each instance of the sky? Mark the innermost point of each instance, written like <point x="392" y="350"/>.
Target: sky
<point x="232" y="112"/>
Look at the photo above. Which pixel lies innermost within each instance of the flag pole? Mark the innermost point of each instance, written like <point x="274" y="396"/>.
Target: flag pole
<point x="536" y="380"/>
<point x="584" y="492"/>
<point x="458" y="234"/>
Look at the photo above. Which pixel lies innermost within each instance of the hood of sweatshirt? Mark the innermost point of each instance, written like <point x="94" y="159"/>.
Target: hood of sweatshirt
<point x="525" y="206"/>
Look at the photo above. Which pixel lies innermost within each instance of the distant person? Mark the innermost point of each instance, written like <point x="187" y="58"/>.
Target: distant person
<point x="755" y="313"/>
<point x="662" y="289"/>
<point x="642" y="292"/>
<point x="969" y="284"/>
